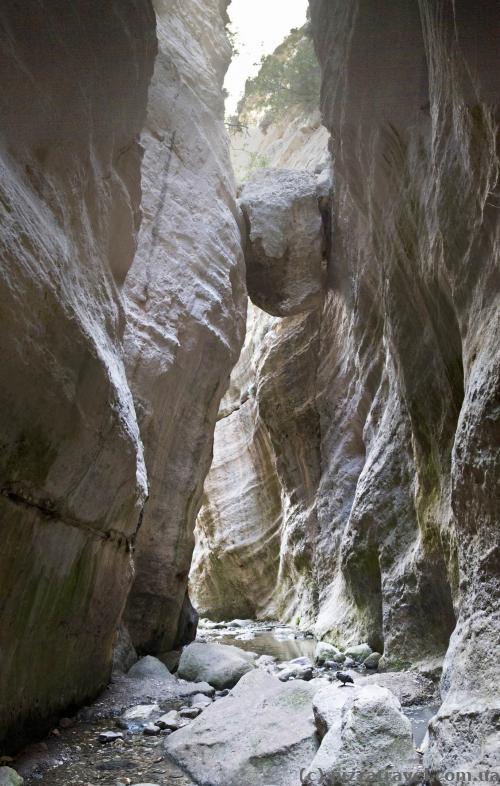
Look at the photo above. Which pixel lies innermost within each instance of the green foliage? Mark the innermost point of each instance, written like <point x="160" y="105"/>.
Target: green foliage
<point x="288" y="80"/>
<point x="257" y="161"/>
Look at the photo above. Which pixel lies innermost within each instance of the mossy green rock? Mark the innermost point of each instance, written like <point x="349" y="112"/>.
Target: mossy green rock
<point x="9" y="777"/>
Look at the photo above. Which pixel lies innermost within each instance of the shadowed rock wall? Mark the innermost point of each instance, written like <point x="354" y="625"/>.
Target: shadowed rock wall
<point x="72" y="475"/>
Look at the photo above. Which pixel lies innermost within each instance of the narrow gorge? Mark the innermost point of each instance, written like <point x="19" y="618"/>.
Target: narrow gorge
<point x="250" y="396"/>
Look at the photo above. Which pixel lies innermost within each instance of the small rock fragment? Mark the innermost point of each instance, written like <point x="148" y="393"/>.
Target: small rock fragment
<point x="110" y="736"/>
<point x="151" y="729"/>
<point x="190" y="712"/>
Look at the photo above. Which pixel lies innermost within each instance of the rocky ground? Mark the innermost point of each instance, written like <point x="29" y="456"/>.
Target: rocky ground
<point x="232" y="714"/>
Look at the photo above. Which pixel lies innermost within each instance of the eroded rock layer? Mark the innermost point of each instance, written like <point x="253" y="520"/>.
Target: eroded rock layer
<point x="72" y="475"/>
<point x="185" y="304"/>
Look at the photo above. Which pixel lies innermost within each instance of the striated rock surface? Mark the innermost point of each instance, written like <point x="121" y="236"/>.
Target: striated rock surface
<point x="72" y="476"/>
<point x="185" y="306"/>
<point x="378" y="409"/>
<point x="414" y="278"/>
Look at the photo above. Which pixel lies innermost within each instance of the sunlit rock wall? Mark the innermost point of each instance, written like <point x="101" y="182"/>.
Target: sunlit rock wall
<point x="72" y="475"/>
<point x="186" y="303"/>
<point x="409" y="380"/>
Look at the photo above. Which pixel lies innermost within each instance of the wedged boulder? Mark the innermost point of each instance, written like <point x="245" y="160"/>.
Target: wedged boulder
<point x="368" y="740"/>
<point x="218" y="664"/>
<point x="150" y="668"/>
<point x="285" y="252"/>
<point x="262" y="733"/>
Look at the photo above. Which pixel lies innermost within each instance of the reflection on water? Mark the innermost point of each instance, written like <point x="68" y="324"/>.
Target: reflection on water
<point x="420" y="717"/>
<point x="282" y="642"/>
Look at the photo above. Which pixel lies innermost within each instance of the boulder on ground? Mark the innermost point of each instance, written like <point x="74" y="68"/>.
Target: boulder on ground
<point x="358" y="652"/>
<point x="262" y="733"/>
<point x="369" y="740"/>
<point x="372" y="661"/>
<point x="220" y="665"/>
<point x="326" y="652"/>
<point x="149" y="668"/>
<point x="327" y="708"/>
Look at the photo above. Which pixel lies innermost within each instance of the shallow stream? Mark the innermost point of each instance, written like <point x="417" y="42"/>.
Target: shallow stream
<point x="74" y="757"/>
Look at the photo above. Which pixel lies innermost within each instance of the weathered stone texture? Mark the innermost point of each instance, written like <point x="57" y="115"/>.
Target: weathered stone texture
<point x="72" y="475"/>
<point x="186" y="304"/>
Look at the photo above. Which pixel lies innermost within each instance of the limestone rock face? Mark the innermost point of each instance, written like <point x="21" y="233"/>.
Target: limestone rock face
<point x="285" y="251"/>
<point x="256" y="530"/>
<point x="414" y="298"/>
<point x="225" y="746"/>
<point x="378" y="409"/>
<point x="185" y="307"/>
<point x="297" y="142"/>
<point x="72" y="476"/>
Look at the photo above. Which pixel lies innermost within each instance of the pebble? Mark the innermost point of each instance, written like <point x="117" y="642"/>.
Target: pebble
<point x="122" y="724"/>
<point x="110" y="736"/>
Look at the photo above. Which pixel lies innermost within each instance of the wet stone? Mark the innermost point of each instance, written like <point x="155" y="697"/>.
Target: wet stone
<point x="110" y="736"/>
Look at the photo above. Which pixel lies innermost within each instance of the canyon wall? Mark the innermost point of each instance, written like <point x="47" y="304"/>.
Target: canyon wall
<point x="411" y="96"/>
<point x="372" y="420"/>
<point x="73" y="479"/>
<point x="109" y="116"/>
<point x="186" y="303"/>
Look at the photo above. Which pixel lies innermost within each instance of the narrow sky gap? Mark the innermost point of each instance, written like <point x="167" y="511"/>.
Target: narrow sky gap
<point x="259" y="27"/>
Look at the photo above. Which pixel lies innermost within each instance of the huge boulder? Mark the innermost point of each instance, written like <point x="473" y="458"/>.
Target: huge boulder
<point x="368" y="739"/>
<point x="285" y="252"/>
<point x="218" y="664"/>
<point x="263" y="732"/>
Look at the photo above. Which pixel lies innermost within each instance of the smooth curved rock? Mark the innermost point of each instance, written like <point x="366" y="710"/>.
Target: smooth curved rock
<point x="226" y="746"/>
<point x="218" y="664"/>
<point x="285" y="250"/>
<point x="72" y="475"/>
<point x="150" y="668"/>
<point x="358" y="652"/>
<point x="186" y="303"/>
